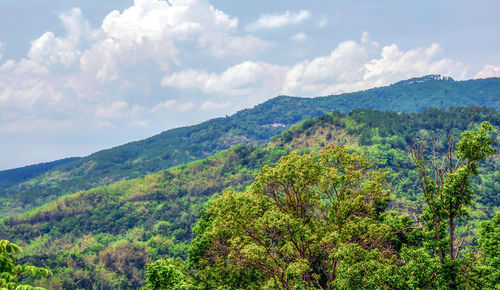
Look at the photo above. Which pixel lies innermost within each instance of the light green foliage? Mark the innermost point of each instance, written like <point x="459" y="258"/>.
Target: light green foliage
<point x="447" y="194"/>
<point x="166" y="274"/>
<point x="11" y="272"/>
<point x="488" y="270"/>
<point x="312" y="221"/>
<point x="476" y="145"/>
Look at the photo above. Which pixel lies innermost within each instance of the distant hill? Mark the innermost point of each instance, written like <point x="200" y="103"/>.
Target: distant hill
<point x="103" y="237"/>
<point x="14" y="176"/>
<point x="250" y="126"/>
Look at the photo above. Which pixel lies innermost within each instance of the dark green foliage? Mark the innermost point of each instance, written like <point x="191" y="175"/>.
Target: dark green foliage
<point x="250" y="127"/>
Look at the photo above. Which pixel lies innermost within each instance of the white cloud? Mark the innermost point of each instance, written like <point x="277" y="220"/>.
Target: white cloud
<point x="349" y="67"/>
<point x="241" y="79"/>
<point x="49" y="49"/>
<point x="355" y="66"/>
<point x="299" y="37"/>
<point x="31" y="84"/>
<point x="212" y="106"/>
<point x="268" y="21"/>
<point x="71" y="73"/>
<point x="27" y="83"/>
<point x="395" y="63"/>
<point x="153" y="30"/>
<point x="488" y="71"/>
<point x="344" y="64"/>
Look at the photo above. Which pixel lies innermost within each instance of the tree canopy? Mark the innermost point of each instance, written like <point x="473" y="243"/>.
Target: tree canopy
<point x="318" y="221"/>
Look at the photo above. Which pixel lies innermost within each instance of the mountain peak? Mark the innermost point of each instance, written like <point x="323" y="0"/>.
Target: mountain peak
<point x="425" y="79"/>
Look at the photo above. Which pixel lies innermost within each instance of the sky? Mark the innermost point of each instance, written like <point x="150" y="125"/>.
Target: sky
<point x="80" y="76"/>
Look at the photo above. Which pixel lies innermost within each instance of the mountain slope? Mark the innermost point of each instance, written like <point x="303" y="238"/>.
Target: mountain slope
<point x="15" y="176"/>
<point x="105" y="236"/>
<point x="250" y="126"/>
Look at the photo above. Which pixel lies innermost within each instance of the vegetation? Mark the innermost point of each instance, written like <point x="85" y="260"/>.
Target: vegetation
<point x="10" y="272"/>
<point x="25" y="190"/>
<point x="318" y="222"/>
<point x="105" y="237"/>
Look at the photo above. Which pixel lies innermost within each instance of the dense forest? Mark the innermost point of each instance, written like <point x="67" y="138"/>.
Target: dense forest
<point x="142" y="232"/>
<point x="255" y="126"/>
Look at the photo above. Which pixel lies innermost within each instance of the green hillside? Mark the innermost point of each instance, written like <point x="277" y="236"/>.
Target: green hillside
<point x="105" y="237"/>
<point x="249" y="127"/>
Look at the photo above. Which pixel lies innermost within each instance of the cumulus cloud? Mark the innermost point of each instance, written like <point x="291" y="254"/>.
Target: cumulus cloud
<point x="26" y="83"/>
<point x="344" y="64"/>
<point x="153" y="29"/>
<point x="241" y="79"/>
<point x="30" y="82"/>
<point x="351" y="66"/>
<point x="268" y="21"/>
<point x="355" y="66"/>
<point x="488" y="71"/>
<point x="83" y="72"/>
<point x="49" y="49"/>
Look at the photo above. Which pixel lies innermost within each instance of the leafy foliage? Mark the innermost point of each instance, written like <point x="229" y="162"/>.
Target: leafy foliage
<point x="447" y="195"/>
<point x="317" y="221"/>
<point x="11" y="272"/>
<point x="301" y="224"/>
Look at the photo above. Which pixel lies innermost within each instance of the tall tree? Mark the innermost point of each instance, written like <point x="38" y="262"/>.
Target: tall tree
<point x="447" y="194"/>
<point x="312" y="221"/>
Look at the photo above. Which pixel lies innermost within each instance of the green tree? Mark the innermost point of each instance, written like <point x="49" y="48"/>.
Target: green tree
<point x="10" y="272"/>
<point x="166" y="274"/>
<point x="489" y="243"/>
<point x="447" y="194"/>
<point x="312" y="221"/>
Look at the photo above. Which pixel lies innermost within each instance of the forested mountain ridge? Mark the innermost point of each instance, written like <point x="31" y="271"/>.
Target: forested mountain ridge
<point x="14" y="176"/>
<point x="105" y="236"/>
<point x="250" y="126"/>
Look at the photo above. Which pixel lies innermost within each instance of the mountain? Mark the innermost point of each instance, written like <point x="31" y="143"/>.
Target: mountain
<point x="11" y="177"/>
<point x="249" y="127"/>
<point x="104" y="237"/>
